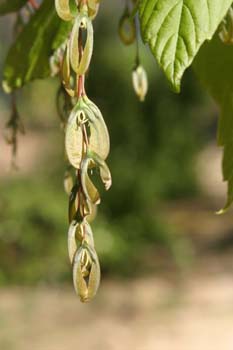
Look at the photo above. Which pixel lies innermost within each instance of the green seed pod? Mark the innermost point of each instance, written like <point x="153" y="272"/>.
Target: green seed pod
<point x="74" y="203"/>
<point x="126" y="28"/>
<point x="93" y="212"/>
<point x="86" y="113"/>
<point x="68" y="182"/>
<point x="93" y="8"/>
<point x="74" y="141"/>
<point x="66" y="73"/>
<point x="86" y="273"/>
<point x="85" y="206"/>
<point x="140" y="82"/>
<point x="81" y="232"/>
<point x="81" y="66"/>
<point x="99" y="141"/>
<point x="91" y="160"/>
<point x="89" y="189"/>
<point x="64" y="10"/>
<point x="105" y="173"/>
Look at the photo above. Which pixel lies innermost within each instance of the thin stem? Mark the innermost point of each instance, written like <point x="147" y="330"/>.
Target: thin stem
<point x="34" y="4"/>
<point x="137" y="58"/>
<point x="84" y="131"/>
<point x="80" y="86"/>
<point x="80" y="78"/>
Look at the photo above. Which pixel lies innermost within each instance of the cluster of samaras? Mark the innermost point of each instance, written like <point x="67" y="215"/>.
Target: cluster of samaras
<point x="87" y="146"/>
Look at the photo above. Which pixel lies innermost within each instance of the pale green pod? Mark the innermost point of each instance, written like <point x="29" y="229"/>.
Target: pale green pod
<point x="79" y="232"/>
<point x="89" y="189"/>
<point x="86" y="273"/>
<point x="81" y="66"/>
<point x="140" y="82"/>
<point x="65" y="71"/>
<point x="93" y="212"/>
<point x="88" y="234"/>
<point x="68" y="182"/>
<point x="93" y="8"/>
<point x="99" y="141"/>
<point x="88" y="49"/>
<point x="72" y="243"/>
<point x="74" y="44"/>
<point x="63" y="10"/>
<point x="74" y="138"/>
<point x="105" y="173"/>
<point x="93" y="160"/>
<point x="85" y="206"/>
<point x="74" y="203"/>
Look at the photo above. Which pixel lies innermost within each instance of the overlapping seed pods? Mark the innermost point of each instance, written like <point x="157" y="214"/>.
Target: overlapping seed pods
<point x="87" y="146"/>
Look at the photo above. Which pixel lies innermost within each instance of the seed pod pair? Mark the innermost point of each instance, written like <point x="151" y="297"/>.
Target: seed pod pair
<point x="79" y="206"/>
<point x="80" y="66"/>
<point x="90" y="161"/>
<point x="140" y="82"/>
<point x="68" y="9"/>
<point x="79" y="232"/>
<point x="85" y="129"/>
<point x="86" y="272"/>
<point x="71" y="57"/>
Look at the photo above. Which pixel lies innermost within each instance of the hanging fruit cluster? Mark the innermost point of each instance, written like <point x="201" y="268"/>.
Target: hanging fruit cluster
<point x="87" y="145"/>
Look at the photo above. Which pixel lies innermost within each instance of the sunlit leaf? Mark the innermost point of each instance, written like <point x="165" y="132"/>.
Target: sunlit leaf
<point x="175" y="30"/>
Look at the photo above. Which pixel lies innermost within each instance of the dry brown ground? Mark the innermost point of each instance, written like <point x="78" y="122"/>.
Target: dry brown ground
<point x="144" y="314"/>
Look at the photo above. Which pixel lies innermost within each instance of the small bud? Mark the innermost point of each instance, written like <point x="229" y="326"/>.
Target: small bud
<point x="126" y="28"/>
<point x="140" y="82"/>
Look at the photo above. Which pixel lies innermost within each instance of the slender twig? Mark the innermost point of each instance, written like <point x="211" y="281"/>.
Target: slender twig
<point x="34" y="4"/>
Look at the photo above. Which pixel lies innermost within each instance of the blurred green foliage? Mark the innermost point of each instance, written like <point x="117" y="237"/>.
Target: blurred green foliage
<point x="153" y="146"/>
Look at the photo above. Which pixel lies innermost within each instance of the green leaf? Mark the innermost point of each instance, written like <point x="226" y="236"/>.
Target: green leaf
<point x="8" y="6"/>
<point x="28" y="58"/>
<point x="213" y="65"/>
<point x="175" y="30"/>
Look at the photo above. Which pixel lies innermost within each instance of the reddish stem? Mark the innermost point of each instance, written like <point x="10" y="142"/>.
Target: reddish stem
<point x="80" y="86"/>
<point x="80" y="78"/>
<point x="34" y="4"/>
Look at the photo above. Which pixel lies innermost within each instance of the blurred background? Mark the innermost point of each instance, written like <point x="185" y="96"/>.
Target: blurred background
<point x="166" y="257"/>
